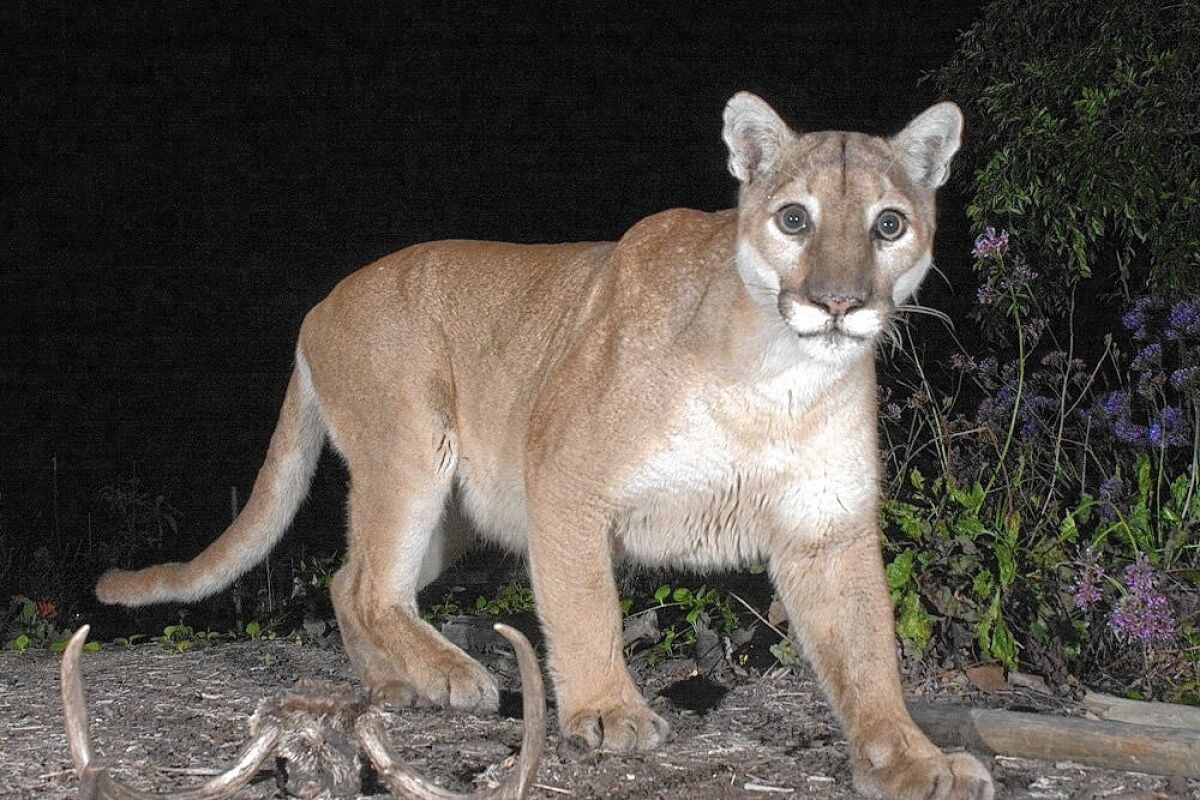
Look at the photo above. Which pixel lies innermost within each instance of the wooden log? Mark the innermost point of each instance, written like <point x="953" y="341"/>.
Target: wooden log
<point x="1155" y="749"/>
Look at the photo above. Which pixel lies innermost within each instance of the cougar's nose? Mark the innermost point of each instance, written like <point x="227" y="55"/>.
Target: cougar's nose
<point x="838" y="305"/>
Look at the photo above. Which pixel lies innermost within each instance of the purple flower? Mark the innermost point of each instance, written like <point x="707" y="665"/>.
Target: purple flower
<point x="990" y="243"/>
<point x="1148" y="357"/>
<point x="892" y="411"/>
<point x="1133" y="320"/>
<point x="1111" y="487"/>
<point x="1088" y="582"/>
<point x="1148" y="382"/>
<point x="1115" y="404"/>
<point x="1128" y="431"/>
<point x="1184" y="318"/>
<point x="1144" y="612"/>
<point x="985" y="295"/>
<point x="1185" y="377"/>
<point x="1110" y="491"/>
<point x="1022" y="272"/>
<point x="1169" y="429"/>
<point x="1149" y="304"/>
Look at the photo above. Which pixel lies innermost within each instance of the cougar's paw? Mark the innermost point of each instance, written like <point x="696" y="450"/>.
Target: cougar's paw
<point x="957" y="776"/>
<point x="617" y="729"/>
<point x="448" y="682"/>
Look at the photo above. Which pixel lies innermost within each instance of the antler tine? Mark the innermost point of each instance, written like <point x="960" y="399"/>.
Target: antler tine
<point x="533" y="704"/>
<point x="405" y="783"/>
<point x="94" y="781"/>
<point x="75" y="705"/>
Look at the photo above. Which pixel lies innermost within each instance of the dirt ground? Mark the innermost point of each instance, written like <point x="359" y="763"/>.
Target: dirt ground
<point x="163" y="718"/>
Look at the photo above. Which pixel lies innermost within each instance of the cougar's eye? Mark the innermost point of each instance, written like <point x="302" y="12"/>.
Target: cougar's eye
<point x="792" y="219"/>
<point x="889" y="225"/>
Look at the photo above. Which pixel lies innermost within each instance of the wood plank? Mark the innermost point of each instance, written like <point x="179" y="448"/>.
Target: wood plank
<point x="1155" y="749"/>
<point x="1121" y="709"/>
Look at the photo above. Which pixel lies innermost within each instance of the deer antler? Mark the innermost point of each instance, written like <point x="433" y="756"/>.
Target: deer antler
<point x="403" y="782"/>
<point x="97" y="784"/>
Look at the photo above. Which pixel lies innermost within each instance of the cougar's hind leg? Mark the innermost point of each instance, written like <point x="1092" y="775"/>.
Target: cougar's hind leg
<point x="398" y="494"/>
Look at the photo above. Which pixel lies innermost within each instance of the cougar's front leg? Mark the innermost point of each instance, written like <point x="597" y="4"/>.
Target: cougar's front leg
<point x="397" y="499"/>
<point x="836" y="597"/>
<point x="570" y="559"/>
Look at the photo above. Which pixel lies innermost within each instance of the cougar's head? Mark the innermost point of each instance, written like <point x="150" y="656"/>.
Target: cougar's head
<point x="835" y="230"/>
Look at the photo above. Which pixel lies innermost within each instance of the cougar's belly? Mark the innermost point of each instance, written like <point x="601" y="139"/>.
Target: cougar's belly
<point x="491" y="495"/>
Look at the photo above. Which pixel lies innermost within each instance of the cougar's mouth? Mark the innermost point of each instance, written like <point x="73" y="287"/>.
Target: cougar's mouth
<point x="835" y="337"/>
<point x="837" y="330"/>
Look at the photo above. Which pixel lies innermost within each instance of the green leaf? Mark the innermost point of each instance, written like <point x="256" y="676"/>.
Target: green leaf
<point x="1068" y="531"/>
<point x="899" y="572"/>
<point x="785" y="653"/>
<point x="1004" y="647"/>
<point x="1006" y="563"/>
<point x="253" y="629"/>
<point x="1142" y="470"/>
<point x="662" y="593"/>
<point x="913" y="623"/>
<point x="984" y="584"/>
<point x="1012" y="527"/>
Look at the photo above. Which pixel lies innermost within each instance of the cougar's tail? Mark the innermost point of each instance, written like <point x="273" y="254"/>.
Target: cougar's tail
<point x="281" y="486"/>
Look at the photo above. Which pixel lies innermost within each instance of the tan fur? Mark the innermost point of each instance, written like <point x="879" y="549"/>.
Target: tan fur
<point x="692" y="394"/>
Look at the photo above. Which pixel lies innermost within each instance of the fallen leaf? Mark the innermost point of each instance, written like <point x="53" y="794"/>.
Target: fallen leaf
<point x="987" y="677"/>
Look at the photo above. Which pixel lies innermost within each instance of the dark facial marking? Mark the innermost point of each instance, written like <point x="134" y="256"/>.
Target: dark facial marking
<point x="844" y="137"/>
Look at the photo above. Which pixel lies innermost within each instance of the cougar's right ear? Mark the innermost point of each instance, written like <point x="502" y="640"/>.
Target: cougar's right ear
<point x="754" y="134"/>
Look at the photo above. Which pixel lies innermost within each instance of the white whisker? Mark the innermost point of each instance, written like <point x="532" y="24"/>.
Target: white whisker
<point x="929" y="312"/>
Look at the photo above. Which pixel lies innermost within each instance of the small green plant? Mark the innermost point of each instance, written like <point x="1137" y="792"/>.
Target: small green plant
<point x="32" y="623"/>
<point x="511" y="599"/>
<point x="182" y="637"/>
<point x="256" y="630"/>
<point x="313" y="572"/>
<point x="128" y="641"/>
<point x="447" y="607"/>
<point x="689" y="607"/>
<point x="786" y="653"/>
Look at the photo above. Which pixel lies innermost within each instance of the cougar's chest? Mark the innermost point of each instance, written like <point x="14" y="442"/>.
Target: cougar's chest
<point x="731" y="461"/>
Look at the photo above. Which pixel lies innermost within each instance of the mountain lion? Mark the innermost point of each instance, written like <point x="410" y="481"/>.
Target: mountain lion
<point x="700" y="393"/>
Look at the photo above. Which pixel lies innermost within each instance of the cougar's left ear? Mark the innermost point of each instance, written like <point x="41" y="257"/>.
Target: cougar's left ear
<point x="754" y="134"/>
<point x="926" y="146"/>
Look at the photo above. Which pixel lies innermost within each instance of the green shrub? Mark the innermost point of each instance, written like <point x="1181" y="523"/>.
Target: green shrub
<point x="1082" y="139"/>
